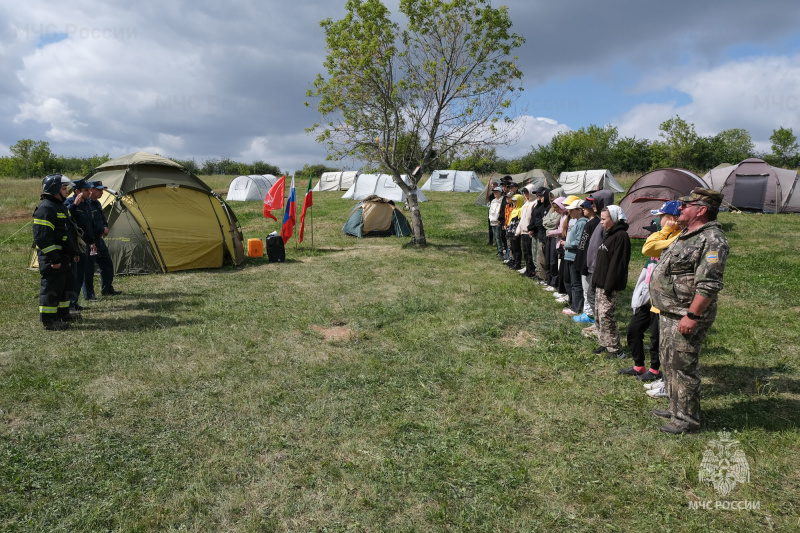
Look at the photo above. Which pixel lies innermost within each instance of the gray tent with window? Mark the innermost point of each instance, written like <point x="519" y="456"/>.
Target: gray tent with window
<point x="754" y="185"/>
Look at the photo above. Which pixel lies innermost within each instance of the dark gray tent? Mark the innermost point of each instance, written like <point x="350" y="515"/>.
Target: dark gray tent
<point x="754" y="185"/>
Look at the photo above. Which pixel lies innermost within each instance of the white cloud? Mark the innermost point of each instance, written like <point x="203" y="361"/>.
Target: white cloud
<point x="756" y="94"/>
<point x="57" y="114"/>
<point x="534" y="131"/>
<point x="205" y="79"/>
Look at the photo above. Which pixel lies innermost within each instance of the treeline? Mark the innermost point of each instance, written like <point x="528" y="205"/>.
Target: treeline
<point x="228" y="166"/>
<point x="30" y="159"/>
<point x="596" y="147"/>
<point x="592" y="147"/>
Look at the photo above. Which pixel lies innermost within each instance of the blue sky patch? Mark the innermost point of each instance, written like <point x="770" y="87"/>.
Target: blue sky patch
<point x="50" y="38"/>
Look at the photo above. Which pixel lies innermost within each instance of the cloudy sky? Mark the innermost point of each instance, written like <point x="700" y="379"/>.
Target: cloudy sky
<point x="210" y="79"/>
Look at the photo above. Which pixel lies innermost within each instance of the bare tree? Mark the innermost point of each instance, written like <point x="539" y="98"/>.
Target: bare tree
<point x="407" y="99"/>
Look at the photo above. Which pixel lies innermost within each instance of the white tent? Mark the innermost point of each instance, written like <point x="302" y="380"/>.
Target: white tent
<point x="380" y="185"/>
<point x="336" y="181"/>
<point x="453" y="181"/>
<point x="585" y="181"/>
<point x="250" y="188"/>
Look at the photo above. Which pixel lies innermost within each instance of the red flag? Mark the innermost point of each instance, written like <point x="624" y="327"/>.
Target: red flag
<point x="274" y="198"/>
<point x="289" y="215"/>
<point x="307" y="202"/>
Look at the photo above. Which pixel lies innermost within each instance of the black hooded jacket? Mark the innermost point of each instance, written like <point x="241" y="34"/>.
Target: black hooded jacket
<point x="541" y="208"/>
<point x="613" y="256"/>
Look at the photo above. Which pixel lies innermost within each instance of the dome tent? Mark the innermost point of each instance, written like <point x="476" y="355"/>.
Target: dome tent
<point x="376" y="217"/>
<point x="650" y="191"/>
<point x="163" y="219"/>
<point x="754" y="185"/>
<point x="250" y="188"/>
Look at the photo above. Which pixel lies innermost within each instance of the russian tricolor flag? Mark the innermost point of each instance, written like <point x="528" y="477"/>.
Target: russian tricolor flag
<point x="289" y="215"/>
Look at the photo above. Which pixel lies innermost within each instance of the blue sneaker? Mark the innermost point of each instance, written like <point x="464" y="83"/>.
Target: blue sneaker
<point x="583" y="318"/>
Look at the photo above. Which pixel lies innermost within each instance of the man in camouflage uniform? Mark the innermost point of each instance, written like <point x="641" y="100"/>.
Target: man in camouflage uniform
<point x="684" y="287"/>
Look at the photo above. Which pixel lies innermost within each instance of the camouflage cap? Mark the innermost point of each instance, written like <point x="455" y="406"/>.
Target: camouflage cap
<point x="707" y="196"/>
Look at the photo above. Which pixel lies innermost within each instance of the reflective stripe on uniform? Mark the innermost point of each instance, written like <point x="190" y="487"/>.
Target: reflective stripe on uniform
<point x="47" y="310"/>
<point x="44" y="223"/>
<point x="63" y="304"/>
<point x="51" y="249"/>
<point x="61" y="215"/>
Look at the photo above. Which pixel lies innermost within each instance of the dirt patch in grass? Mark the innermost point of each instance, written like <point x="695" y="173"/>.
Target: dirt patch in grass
<point x="14" y="216"/>
<point x="14" y="423"/>
<point x="107" y="388"/>
<point x="520" y="339"/>
<point x="336" y="332"/>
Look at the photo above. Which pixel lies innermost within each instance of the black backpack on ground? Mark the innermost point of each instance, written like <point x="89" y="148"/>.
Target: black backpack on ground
<point x="275" y="249"/>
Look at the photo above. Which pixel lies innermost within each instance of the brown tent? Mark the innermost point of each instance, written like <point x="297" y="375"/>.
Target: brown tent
<point x="650" y="191"/>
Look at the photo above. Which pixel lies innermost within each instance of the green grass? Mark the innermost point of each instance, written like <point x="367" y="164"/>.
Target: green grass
<point x="368" y="386"/>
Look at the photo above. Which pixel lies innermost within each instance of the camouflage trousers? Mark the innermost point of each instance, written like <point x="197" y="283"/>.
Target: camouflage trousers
<point x="606" y="320"/>
<point x="680" y="361"/>
<point x="540" y="245"/>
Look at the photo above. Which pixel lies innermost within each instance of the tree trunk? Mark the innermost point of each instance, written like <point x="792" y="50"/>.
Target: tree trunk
<point x="416" y="219"/>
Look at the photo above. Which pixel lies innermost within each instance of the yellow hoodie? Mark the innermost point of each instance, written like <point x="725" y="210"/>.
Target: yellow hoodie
<point x="519" y="201"/>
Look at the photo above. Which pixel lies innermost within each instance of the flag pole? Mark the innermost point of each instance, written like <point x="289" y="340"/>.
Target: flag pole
<point x="312" y="227"/>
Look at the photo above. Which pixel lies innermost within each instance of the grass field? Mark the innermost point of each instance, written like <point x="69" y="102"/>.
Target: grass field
<point x="367" y="386"/>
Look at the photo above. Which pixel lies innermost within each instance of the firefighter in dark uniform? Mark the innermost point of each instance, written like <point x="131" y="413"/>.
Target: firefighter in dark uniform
<point x="81" y="212"/>
<point x="103" y="257"/>
<point x="56" y="243"/>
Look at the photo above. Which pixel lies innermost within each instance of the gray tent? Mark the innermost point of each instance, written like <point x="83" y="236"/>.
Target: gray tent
<point x="754" y="185"/>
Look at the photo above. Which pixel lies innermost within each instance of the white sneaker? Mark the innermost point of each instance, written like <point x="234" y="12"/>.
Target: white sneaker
<point x="564" y="299"/>
<point x="657" y="392"/>
<point x="654" y="384"/>
<point x="521" y="270"/>
<point x="558" y="295"/>
<point x="549" y="288"/>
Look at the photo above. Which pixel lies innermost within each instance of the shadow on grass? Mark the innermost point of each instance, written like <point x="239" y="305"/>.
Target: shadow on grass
<point x="135" y="323"/>
<point x="440" y="246"/>
<point x="751" y="380"/>
<point x="167" y="301"/>
<point x="768" y="413"/>
<point x="255" y="262"/>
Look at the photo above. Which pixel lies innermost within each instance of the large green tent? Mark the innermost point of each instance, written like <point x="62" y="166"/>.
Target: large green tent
<point x="163" y="219"/>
